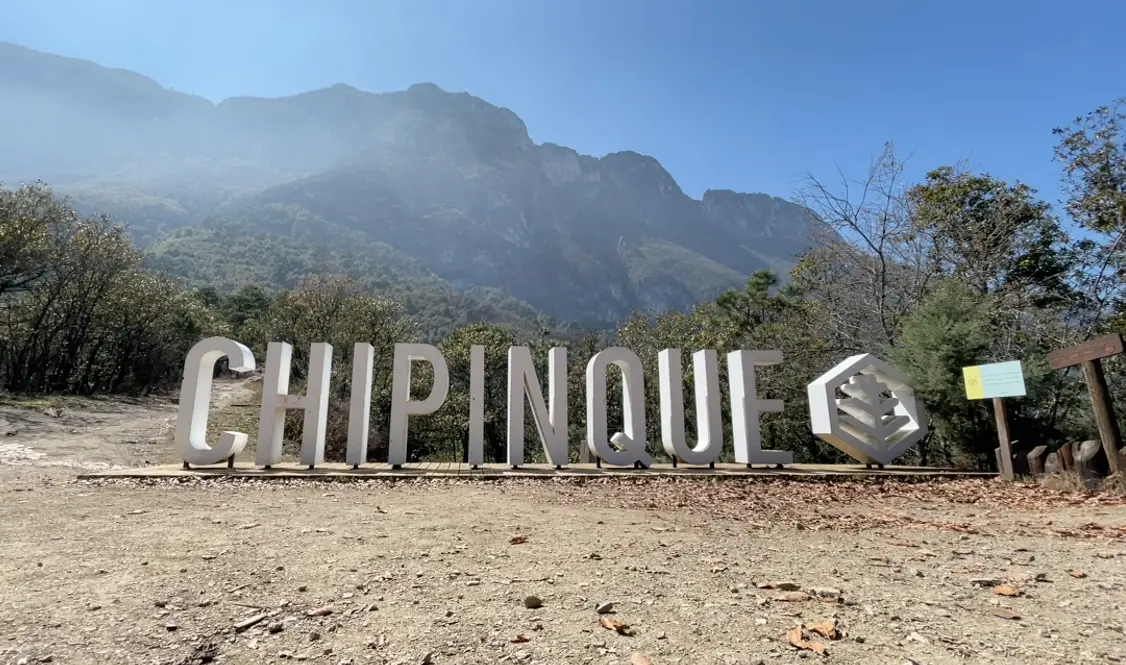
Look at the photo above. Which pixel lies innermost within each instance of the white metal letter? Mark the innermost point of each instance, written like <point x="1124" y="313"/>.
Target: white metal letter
<point x="359" y="412"/>
<point x="709" y="432"/>
<point x="747" y="408"/>
<point x="276" y="400"/>
<point x="632" y="441"/>
<point x="551" y="420"/>
<point x="476" y="405"/>
<point x="402" y="407"/>
<point x="195" y="401"/>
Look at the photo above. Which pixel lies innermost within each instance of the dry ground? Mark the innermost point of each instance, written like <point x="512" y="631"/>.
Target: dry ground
<point x="427" y="572"/>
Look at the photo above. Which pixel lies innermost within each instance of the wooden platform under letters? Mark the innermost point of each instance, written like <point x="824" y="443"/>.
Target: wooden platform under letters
<point x="502" y="471"/>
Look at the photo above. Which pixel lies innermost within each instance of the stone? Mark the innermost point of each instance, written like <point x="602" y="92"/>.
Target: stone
<point x="533" y="602"/>
<point x="604" y="608"/>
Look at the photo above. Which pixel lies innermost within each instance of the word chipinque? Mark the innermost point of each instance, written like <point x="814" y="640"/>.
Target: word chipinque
<point x="867" y="435"/>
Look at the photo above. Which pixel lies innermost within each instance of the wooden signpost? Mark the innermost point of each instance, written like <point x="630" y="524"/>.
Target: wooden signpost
<point x="1089" y="356"/>
<point x="995" y="381"/>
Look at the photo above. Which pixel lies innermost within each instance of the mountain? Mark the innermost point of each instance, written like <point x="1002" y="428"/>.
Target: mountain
<point x="430" y="182"/>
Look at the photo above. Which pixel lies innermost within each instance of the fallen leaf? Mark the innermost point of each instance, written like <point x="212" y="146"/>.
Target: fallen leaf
<point x="520" y="639"/>
<point x="1002" y="613"/>
<point x="1077" y="574"/>
<point x="794" y="597"/>
<point x="517" y="540"/>
<point x="639" y="659"/>
<point x="1006" y="590"/>
<point x="798" y="641"/>
<point x="826" y="629"/>
<point x="615" y="625"/>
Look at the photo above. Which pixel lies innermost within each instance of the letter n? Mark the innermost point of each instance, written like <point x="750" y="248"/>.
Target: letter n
<point x="551" y="420"/>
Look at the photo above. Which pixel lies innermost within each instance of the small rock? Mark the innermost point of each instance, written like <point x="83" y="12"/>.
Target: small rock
<point x="320" y="611"/>
<point x="276" y="627"/>
<point x="825" y="592"/>
<point x="428" y="659"/>
<point x="533" y="602"/>
<point x="604" y="608"/>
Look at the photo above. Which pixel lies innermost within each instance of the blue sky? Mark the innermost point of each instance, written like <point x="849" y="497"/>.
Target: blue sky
<point x="727" y="94"/>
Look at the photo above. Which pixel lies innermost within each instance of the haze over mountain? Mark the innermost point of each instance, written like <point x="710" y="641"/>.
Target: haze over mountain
<point x="417" y="183"/>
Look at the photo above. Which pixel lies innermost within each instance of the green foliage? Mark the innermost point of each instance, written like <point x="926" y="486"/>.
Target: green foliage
<point x="950" y="330"/>
<point x="78" y="312"/>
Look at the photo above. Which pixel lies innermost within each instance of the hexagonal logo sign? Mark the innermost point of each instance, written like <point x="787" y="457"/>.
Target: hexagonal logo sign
<point x="878" y="418"/>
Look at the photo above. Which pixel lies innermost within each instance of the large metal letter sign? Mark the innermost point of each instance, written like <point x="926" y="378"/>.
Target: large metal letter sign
<point x="624" y="448"/>
<point x="866" y="425"/>
<point x="402" y="406"/>
<point x="276" y="400"/>
<point x="709" y="430"/>
<point x="195" y="401"/>
<point x="551" y="418"/>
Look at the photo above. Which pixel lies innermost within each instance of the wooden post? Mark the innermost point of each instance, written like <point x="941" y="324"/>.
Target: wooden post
<point x="1089" y="355"/>
<point x="1104" y="411"/>
<point x="1036" y="460"/>
<point x="1003" y="436"/>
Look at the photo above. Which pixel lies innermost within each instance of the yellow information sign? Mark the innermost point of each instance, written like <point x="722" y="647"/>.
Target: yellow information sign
<point x="994" y="380"/>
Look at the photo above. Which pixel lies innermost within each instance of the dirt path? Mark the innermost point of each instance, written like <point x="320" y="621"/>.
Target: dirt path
<point x="429" y="572"/>
<point x="97" y="433"/>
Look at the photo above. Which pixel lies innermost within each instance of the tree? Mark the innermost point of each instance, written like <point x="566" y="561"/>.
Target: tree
<point x="866" y="269"/>
<point x="336" y="310"/>
<point x="1093" y="153"/>
<point x="950" y="330"/>
<point x="34" y="226"/>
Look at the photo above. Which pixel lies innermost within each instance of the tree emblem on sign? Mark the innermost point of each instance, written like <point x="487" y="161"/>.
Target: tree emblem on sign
<point x="877" y="420"/>
<point x="869" y="413"/>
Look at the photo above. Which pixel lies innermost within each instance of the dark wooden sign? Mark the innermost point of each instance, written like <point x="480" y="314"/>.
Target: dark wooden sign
<point x="1095" y="349"/>
<point x="1089" y="355"/>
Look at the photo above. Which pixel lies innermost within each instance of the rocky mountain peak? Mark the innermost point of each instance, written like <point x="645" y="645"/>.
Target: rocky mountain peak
<point x="444" y="180"/>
